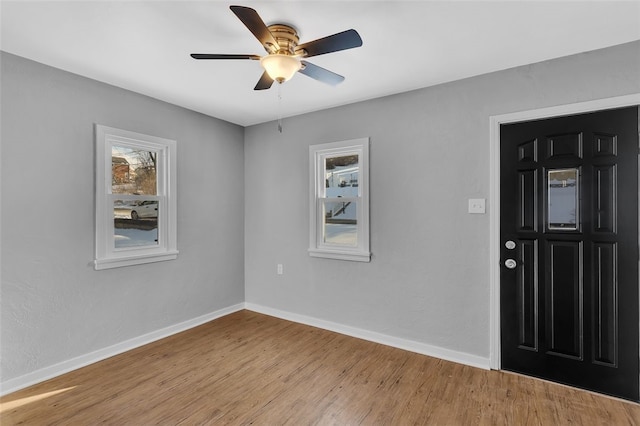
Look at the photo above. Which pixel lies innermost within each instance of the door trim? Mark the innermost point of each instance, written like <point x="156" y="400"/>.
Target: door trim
<point x="494" y="196"/>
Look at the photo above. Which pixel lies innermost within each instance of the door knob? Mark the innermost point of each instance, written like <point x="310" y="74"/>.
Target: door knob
<point x="510" y="263"/>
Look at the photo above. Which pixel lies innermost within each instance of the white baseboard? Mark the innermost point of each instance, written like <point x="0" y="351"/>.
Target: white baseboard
<point x="55" y="370"/>
<point x="396" y="342"/>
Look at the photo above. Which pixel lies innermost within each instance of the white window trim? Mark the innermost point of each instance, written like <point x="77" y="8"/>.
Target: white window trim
<point x="317" y="247"/>
<point x="106" y="255"/>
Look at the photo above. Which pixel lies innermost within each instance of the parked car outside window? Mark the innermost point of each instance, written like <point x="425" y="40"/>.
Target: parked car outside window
<point x="136" y="210"/>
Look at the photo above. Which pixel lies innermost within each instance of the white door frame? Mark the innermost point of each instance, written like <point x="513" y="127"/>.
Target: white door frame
<point x="494" y="206"/>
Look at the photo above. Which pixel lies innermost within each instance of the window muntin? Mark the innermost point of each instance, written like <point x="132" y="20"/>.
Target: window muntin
<point x="135" y="198"/>
<point x="339" y="201"/>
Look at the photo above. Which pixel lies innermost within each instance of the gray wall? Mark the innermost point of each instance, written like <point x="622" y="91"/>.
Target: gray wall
<point x="428" y="280"/>
<point x="54" y="305"/>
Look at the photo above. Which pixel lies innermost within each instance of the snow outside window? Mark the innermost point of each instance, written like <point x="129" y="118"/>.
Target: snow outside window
<point x="135" y="198"/>
<point x="339" y="206"/>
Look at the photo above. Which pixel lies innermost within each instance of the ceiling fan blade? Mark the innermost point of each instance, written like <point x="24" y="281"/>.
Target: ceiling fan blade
<point x="341" y="41"/>
<point x="222" y="56"/>
<point x="320" y="74"/>
<point x="265" y="82"/>
<point x="256" y="25"/>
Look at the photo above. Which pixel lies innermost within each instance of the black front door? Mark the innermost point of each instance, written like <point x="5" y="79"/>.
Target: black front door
<point x="569" y="250"/>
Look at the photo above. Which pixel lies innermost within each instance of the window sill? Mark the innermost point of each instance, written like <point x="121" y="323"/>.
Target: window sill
<point x="117" y="262"/>
<point x="354" y="256"/>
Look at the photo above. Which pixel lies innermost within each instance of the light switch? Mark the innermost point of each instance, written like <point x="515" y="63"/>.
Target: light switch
<point x="476" y="205"/>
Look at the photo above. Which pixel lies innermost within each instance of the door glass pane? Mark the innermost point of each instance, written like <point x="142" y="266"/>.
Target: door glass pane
<point x="133" y="171"/>
<point x="135" y="223"/>
<point x="341" y="176"/>
<point x="340" y="224"/>
<point x="563" y="199"/>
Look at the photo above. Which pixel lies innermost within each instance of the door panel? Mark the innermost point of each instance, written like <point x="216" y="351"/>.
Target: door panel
<point x="605" y="202"/>
<point x="528" y="200"/>
<point x="569" y="202"/>
<point x="565" y="146"/>
<point x="528" y="295"/>
<point x="564" y="298"/>
<point x="605" y="323"/>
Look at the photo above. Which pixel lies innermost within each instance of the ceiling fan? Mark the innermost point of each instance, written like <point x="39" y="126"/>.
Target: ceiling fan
<point x="284" y="54"/>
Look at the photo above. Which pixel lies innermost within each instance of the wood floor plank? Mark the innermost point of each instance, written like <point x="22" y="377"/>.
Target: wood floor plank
<point x="248" y="368"/>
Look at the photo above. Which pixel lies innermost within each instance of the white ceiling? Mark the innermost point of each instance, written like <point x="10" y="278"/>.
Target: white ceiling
<point x="144" y="46"/>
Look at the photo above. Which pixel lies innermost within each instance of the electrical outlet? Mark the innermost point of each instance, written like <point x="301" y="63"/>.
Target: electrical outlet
<point x="280" y="269"/>
<point x="477" y="205"/>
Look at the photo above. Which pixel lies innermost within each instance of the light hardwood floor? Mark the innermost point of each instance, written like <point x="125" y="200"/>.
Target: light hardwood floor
<point x="248" y="368"/>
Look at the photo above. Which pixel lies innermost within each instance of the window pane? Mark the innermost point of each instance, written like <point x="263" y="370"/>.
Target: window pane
<point x="562" y="203"/>
<point x="341" y="176"/>
<point x="340" y="224"/>
<point x="133" y="171"/>
<point x="135" y="223"/>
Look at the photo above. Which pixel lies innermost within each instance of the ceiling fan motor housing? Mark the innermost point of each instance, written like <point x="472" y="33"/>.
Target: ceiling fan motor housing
<point x="287" y="38"/>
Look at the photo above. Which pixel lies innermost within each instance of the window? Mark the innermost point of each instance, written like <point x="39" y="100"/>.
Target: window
<point x="135" y="198"/>
<point x="563" y="199"/>
<point x="339" y="206"/>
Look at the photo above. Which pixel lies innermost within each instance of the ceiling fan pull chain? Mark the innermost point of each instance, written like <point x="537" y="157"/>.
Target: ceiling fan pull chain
<point x="280" y="107"/>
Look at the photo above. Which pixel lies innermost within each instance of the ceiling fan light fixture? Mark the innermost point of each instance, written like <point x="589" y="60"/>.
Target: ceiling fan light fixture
<point x="280" y="67"/>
